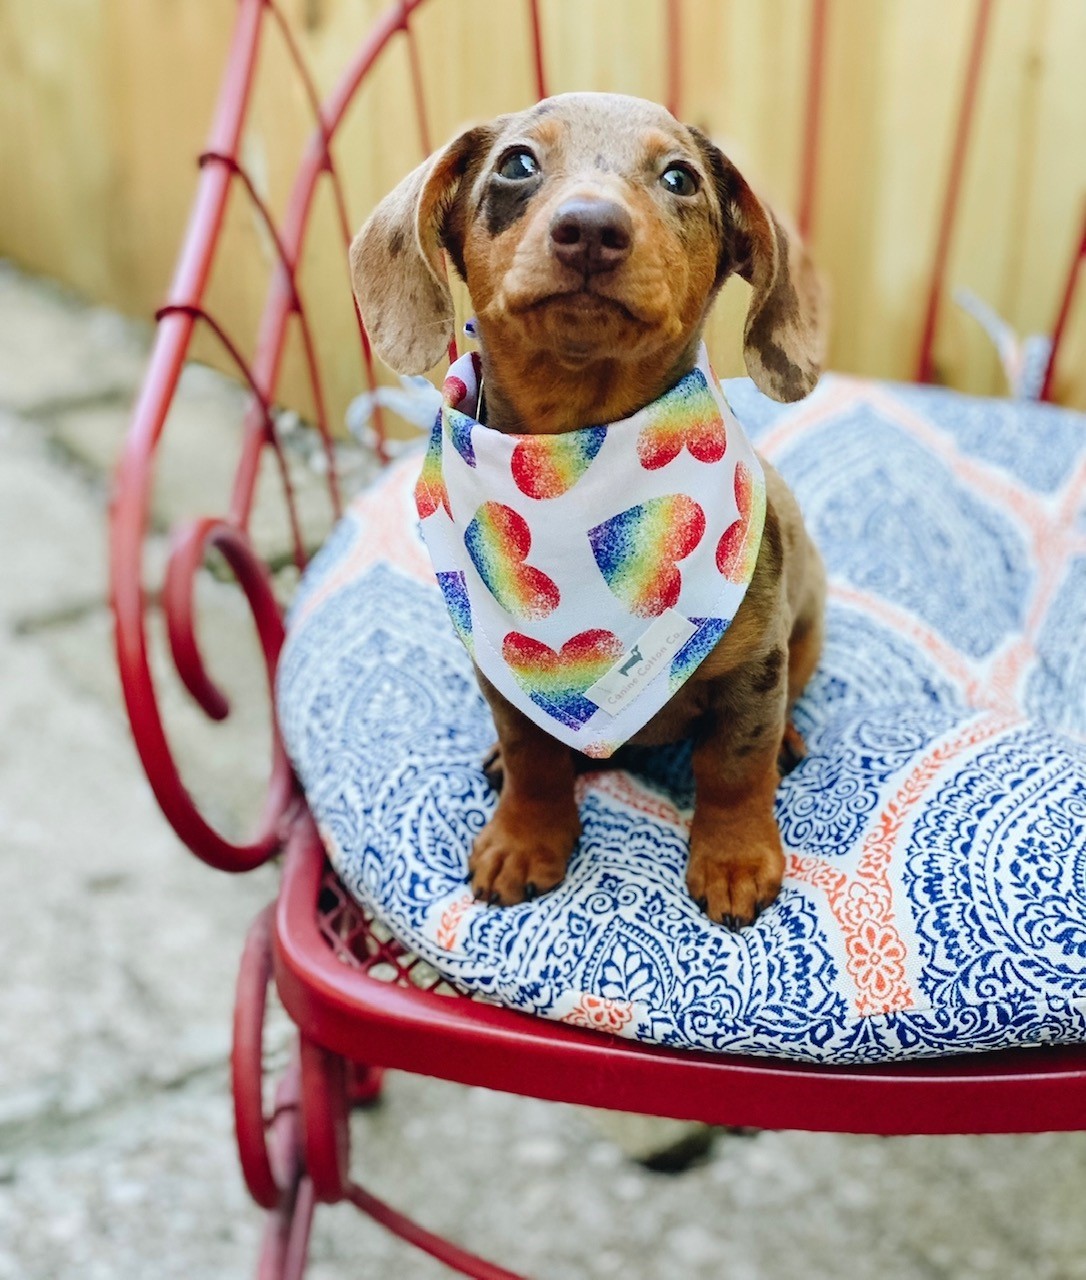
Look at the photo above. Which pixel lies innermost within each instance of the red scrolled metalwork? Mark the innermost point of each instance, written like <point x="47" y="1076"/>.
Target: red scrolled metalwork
<point x="247" y="1067"/>
<point x="220" y="172"/>
<point x="189" y="549"/>
<point x="1060" y="327"/>
<point x="285" y="1247"/>
<point x="284" y="1250"/>
<point x="538" y="60"/>
<point x="298" y="1155"/>
<point x="812" y="117"/>
<point x="322" y="139"/>
<point x="417" y="83"/>
<point x="966" y="112"/>
<point x="357" y="996"/>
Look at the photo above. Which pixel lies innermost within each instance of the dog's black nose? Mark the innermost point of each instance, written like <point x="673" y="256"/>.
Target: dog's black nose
<point x="592" y="236"/>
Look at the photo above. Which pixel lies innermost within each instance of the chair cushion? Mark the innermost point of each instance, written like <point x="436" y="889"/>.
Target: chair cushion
<point x="935" y="894"/>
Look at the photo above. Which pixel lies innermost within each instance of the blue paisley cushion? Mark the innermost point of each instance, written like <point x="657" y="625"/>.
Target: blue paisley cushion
<point x="935" y="895"/>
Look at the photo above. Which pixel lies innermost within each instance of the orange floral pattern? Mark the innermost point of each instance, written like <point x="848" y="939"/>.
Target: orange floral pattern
<point x="452" y="917"/>
<point x="876" y="954"/>
<point x="600" y="1014"/>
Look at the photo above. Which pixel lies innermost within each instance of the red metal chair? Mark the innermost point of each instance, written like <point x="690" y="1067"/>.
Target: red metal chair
<point x="315" y="943"/>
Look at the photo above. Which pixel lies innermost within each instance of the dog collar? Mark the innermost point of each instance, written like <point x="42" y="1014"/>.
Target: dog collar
<point x="588" y="574"/>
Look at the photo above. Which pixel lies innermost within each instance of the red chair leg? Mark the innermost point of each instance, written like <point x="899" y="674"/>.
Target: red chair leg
<point x="272" y="1150"/>
<point x="325" y="1120"/>
<point x="299" y="1156"/>
<point x="364" y="1084"/>
<point x="285" y="1247"/>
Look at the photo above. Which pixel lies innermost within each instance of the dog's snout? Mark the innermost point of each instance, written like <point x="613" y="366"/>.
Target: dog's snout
<point x="591" y="235"/>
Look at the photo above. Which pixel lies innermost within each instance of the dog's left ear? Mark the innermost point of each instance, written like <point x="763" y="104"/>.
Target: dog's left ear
<point x="784" y="338"/>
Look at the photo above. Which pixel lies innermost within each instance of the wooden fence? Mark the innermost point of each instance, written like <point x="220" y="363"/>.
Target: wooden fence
<point x="104" y="105"/>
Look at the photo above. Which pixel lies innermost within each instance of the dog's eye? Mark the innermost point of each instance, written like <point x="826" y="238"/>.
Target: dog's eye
<point x="518" y="165"/>
<point x="679" y="180"/>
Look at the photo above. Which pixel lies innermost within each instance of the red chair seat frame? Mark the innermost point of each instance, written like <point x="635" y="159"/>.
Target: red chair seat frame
<point x="324" y="955"/>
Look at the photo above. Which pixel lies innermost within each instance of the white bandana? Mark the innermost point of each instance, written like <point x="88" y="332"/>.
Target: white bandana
<point x="589" y="573"/>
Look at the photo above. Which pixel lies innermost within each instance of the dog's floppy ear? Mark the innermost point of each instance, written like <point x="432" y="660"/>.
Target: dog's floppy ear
<point x="784" y="338"/>
<point x="784" y="341"/>
<point x="396" y="265"/>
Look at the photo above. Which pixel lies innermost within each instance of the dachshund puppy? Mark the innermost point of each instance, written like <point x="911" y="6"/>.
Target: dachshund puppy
<point x="593" y="232"/>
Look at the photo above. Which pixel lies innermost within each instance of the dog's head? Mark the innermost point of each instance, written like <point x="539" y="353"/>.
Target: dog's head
<point x="591" y="227"/>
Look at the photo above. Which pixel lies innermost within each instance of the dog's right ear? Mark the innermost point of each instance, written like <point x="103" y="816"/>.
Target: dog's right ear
<point x="396" y="266"/>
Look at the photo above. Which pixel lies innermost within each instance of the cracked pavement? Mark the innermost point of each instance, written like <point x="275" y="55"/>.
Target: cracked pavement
<point x="119" y="952"/>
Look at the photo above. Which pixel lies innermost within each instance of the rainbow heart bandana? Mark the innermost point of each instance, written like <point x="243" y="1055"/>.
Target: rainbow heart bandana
<point x="589" y="574"/>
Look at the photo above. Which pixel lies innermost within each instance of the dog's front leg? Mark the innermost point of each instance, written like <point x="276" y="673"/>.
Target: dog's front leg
<point x="524" y="848"/>
<point x="736" y="860"/>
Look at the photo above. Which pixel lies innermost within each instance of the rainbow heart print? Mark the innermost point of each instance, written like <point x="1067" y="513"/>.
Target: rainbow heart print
<point x="430" y="492"/>
<point x="498" y="540"/>
<point x="639" y="549"/>
<point x="556" y="680"/>
<point x="548" y="466"/>
<point x="737" y="550"/>
<point x="687" y="418"/>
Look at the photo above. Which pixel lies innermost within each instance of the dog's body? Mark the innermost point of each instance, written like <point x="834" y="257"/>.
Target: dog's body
<point x="593" y="232"/>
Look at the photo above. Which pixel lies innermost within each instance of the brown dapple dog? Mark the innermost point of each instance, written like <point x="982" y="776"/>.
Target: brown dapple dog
<point x="593" y="232"/>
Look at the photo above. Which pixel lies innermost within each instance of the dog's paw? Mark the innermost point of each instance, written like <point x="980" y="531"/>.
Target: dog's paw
<point x="519" y="856"/>
<point x="733" y="881"/>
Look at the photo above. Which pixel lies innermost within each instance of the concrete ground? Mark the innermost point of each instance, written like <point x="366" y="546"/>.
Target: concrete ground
<point x="118" y="953"/>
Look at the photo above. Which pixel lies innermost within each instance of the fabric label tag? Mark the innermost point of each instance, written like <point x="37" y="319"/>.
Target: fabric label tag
<point x="637" y="666"/>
